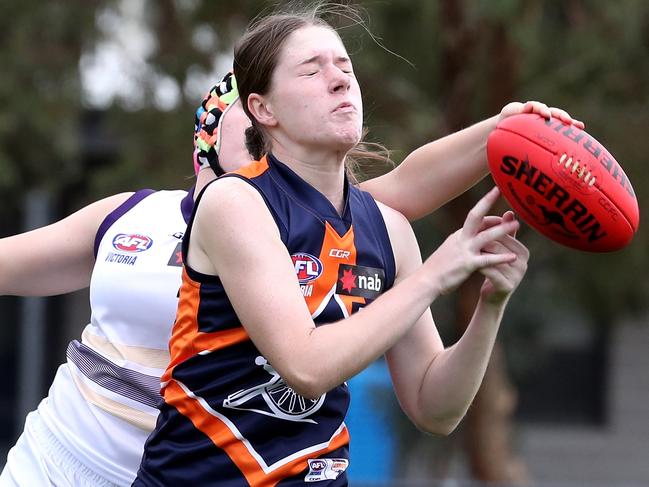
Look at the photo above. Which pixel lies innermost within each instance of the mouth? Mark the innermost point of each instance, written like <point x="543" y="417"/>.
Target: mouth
<point x="345" y="107"/>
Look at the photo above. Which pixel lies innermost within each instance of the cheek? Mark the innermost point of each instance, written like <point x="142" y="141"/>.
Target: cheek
<point x="233" y="153"/>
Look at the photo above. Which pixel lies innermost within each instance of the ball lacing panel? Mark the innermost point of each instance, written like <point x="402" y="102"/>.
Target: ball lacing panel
<point x="572" y="165"/>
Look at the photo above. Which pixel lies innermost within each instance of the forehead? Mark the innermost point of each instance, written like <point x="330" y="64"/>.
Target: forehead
<point x="308" y="42"/>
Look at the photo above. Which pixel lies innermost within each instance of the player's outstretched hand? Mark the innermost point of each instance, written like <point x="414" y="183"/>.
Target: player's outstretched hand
<point x="482" y="243"/>
<point x="503" y="279"/>
<point x="516" y="107"/>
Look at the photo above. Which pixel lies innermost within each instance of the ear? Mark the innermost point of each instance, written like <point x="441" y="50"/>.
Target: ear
<point x="261" y="109"/>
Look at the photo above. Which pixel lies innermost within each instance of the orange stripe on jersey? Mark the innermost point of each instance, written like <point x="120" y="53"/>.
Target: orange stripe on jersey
<point x="186" y="339"/>
<point x="335" y="250"/>
<point x="253" y="169"/>
<point x="230" y="442"/>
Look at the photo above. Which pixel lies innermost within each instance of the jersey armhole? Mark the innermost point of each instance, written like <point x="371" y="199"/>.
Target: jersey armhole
<point x="379" y="228"/>
<point x="117" y="213"/>
<point x="199" y="276"/>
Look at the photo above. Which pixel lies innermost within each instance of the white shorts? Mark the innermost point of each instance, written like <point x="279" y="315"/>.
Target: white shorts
<point x="39" y="459"/>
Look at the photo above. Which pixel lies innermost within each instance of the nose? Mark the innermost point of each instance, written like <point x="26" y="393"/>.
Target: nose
<point x="339" y="80"/>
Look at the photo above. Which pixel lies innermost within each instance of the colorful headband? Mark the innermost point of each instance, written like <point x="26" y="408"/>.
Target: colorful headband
<point x="207" y="124"/>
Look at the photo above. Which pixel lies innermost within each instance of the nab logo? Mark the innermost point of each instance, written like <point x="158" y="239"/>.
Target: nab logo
<point x="357" y="280"/>
<point x="307" y="267"/>
<point x="132" y="242"/>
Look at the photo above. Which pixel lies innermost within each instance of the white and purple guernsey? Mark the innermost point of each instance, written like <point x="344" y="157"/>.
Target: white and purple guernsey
<point x="103" y="402"/>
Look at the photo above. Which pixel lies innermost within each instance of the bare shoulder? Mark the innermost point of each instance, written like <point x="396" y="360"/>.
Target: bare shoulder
<point x="230" y="194"/>
<point x="232" y="225"/>
<point x="393" y="218"/>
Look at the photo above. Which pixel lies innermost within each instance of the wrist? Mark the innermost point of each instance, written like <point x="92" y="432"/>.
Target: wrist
<point x="494" y="300"/>
<point x="428" y="285"/>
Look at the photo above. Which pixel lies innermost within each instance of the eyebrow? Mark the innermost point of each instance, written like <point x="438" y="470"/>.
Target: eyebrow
<point x="313" y="59"/>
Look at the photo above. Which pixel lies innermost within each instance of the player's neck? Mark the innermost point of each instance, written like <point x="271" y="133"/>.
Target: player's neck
<point x="324" y="171"/>
<point x="204" y="176"/>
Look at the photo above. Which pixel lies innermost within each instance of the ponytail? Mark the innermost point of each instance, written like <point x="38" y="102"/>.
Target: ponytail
<point x="256" y="142"/>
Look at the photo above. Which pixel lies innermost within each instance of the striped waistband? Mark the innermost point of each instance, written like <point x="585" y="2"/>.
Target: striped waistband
<point x="129" y="383"/>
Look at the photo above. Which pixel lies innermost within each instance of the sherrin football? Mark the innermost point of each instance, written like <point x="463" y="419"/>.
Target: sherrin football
<point x="563" y="183"/>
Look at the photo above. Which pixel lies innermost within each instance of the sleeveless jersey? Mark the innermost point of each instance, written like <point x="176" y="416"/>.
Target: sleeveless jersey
<point x="103" y="402"/>
<point x="228" y="418"/>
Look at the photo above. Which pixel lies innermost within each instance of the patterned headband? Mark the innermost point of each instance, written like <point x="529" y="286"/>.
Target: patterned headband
<point x="207" y="123"/>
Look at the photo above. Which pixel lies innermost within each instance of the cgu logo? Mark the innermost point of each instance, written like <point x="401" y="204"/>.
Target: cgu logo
<point x="132" y="242"/>
<point x="307" y="267"/>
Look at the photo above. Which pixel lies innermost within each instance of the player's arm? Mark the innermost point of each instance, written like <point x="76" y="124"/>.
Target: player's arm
<point x="436" y="385"/>
<point x="236" y="237"/>
<point x="439" y="171"/>
<point x="57" y="258"/>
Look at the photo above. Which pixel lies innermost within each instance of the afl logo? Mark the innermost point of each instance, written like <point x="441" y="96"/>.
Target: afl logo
<point x="307" y="267"/>
<point x="317" y="465"/>
<point x="132" y="243"/>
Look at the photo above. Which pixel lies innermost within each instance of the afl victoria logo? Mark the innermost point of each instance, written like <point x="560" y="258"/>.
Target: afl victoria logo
<point x="132" y="243"/>
<point x="307" y="267"/>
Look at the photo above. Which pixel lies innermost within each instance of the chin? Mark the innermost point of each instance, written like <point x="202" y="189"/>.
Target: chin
<point x="349" y="137"/>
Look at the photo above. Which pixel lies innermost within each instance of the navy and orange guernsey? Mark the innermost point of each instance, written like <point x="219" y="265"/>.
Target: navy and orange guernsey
<point x="228" y="419"/>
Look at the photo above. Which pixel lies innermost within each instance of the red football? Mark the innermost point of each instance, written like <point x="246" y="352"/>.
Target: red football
<point x="562" y="182"/>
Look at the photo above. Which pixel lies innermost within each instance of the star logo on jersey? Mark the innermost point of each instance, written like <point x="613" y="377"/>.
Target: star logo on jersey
<point x="361" y="281"/>
<point x="348" y="280"/>
<point x="176" y="259"/>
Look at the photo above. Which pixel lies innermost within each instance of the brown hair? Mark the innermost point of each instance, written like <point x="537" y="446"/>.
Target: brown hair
<point x="255" y="59"/>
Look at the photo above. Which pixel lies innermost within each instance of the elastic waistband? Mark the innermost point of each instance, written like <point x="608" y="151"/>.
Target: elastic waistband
<point x="55" y="452"/>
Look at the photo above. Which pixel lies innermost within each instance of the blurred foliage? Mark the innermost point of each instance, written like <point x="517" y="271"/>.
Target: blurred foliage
<point x="39" y="93"/>
<point x="590" y="57"/>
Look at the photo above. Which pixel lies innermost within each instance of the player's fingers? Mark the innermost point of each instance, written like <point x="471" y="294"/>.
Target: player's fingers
<point x="565" y="117"/>
<point x="508" y="244"/>
<point x="514" y="268"/>
<point x="490" y="221"/>
<point x="496" y="247"/>
<point x="475" y="216"/>
<point x="494" y="233"/>
<point x="486" y="259"/>
<point x="537" y="107"/>
<point x="498" y="279"/>
<point x="512" y="271"/>
<point x="514" y="245"/>
<point x="509" y="216"/>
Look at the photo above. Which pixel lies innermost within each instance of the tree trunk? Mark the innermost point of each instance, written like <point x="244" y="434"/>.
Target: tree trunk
<point x="488" y="426"/>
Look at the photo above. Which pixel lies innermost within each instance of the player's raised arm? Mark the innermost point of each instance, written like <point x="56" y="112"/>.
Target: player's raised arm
<point x="57" y="258"/>
<point x="435" y="385"/>
<point x="439" y="171"/>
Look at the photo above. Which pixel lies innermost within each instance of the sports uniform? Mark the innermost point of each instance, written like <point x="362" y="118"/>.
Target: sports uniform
<point x="102" y="405"/>
<point x="228" y="418"/>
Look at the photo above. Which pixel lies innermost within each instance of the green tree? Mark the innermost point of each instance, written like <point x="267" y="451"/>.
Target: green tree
<point x="466" y="59"/>
<point x="39" y="93"/>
